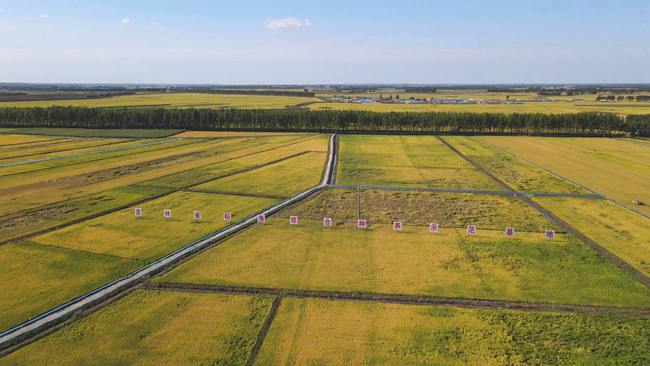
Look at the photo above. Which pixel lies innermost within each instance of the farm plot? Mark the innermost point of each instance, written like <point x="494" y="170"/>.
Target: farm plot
<point x="613" y="167"/>
<point x="414" y="262"/>
<point x="314" y="332"/>
<point x="92" y="132"/>
<point x="252" y="159"/>
<point x="283" y="179"/>
<point x="151" y="236"/>
<point x="156" y="328"/>
<point x="408" y="161"/>
<point x="621" y="231"/>
<point x="518" y="173"/>
<point x="64" y="163"/>
<point x="14" y="140"/>
<point x="33" y="190"/>
<point x="48" y="216"/>
<point x="36" y="278"/>
<point x="222" y="134"/>
<point x="455" y="210"/>
<point x="60" y="150"/>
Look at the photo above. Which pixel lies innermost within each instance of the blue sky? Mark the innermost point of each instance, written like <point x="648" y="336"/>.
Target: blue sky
<point x="244" y="42"/>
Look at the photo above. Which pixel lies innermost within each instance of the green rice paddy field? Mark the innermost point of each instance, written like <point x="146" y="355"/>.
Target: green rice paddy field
<point x="67" y="226"/>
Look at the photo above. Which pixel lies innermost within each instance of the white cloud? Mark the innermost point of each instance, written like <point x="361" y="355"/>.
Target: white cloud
<point x="126" y="20"/>
<point x="287" y="23"/>
<point x="43" y="16"/>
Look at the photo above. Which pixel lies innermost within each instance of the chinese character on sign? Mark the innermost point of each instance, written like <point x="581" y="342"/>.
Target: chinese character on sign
<point x="510" y="232"/>
<point x="397" y="225"/>
<point x="434" y="228"/>
<point x="471" y="229"/>
<point x="327" y="221"/>
<point x="197" y="215"/>
<point x="227" y="216"/>
<point x="167" y="213"/>
<point x="293" y="220"/>
<point x="261" y="218"/>
<point x="362" y="224"/>
<point x="138" y="212"/>
<point x="549" y="234"/>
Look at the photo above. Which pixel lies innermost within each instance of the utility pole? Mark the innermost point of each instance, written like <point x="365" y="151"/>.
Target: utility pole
<point x="358" y="200"/>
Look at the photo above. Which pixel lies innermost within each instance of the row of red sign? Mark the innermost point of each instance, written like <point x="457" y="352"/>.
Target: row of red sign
<point x="167" y="213"/>
<point x="398" y="226"/>
<point x="361" y="223"/>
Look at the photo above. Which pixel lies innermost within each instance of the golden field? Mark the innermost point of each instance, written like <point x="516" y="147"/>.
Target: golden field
<point x="329" y="332"/>
<point x="415" y="262"/>
<point x="156" y="328"/>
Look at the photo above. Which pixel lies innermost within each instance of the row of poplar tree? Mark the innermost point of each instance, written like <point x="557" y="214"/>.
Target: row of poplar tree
<point x="586" y="124"/>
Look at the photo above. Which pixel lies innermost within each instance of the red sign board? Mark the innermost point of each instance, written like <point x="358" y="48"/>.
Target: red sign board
<point x="510" y="232"/>
<point x="397" y="226"/>
<point x="261" y="218"/>
<point x="549" y="234"/>
<point x="471" y="229"/>
<point x="293" y="220"/>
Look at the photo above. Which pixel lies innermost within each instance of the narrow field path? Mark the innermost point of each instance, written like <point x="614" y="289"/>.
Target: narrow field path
<point x="264" y="331"/>
<point x="400" y="299"/>
<point x="626" y="267"/>
<point x="121" y="148"/>
<point x="21" y="334"/>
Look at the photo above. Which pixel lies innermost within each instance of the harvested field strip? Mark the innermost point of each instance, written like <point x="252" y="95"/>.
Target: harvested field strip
<point x="326" y="332"/>
<point x="148" y="327"/>
<point x="399" y="299"/>
<point x="36" y="278"/>
<point x="634" y="272"/>
<point x="449" y="264"/>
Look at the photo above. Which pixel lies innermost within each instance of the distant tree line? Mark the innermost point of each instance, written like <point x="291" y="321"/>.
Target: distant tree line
<point x="584" y="124"/>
